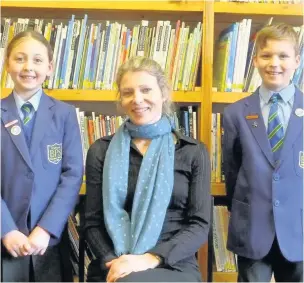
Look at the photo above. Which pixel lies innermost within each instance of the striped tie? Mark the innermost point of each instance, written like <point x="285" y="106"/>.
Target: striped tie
<point x="28" y="112"/>
<point x="275" y="128"/>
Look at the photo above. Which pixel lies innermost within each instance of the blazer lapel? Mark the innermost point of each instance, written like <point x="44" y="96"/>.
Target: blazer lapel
<point x="295" y="125"/>
<point x="9" y="114"/>
<point x="43" y="118"/>
<point x="257" y="125"/>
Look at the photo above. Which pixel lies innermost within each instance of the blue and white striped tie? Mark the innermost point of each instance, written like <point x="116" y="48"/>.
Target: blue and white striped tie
<point x="28" y="112"/>
<point x="275" y="128"/>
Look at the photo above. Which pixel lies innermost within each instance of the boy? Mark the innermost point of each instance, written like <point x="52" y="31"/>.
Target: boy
<point x="263" y="163"/>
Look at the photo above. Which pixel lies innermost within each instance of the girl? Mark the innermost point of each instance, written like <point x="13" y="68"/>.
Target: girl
<point x="41" y="162"/>
<point x="148" y="202"/>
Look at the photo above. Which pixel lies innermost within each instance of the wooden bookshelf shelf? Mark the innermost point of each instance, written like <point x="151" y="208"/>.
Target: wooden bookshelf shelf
<point x="228" y="97"/>
<point x="224" y="277"/>
<point x="83" y="189"/>
<point x="107" y="95"/>
<point x="218" y="189"/>
<point x="125" y="5"/>
<point x="259" y="8"/>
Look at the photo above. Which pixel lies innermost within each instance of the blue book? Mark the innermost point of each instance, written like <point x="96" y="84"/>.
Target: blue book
<point x="80" y="51"/>
<point x="67" y="49"/>
<point x="234" y="30"/>
<point x="105" y="50"/>
<point x="86" y="82"/>
<point x="297" y="75"/>
<point x="95" y="54"/>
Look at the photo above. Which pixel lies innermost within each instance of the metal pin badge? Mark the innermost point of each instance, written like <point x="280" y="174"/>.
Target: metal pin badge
<point x="255" y="124"/>
<point x="299" y="112"/>
<point x="11" y="123"/>
<point x="15" y="130"/>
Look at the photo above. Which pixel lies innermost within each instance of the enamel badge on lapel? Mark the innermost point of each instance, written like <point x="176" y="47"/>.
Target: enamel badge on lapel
<point x="15" y="130"/>
<point x="252" y="117"/>
<point x="255" y="124"/>
<point x="11" y="123"/>
<point x="299" y="112"/>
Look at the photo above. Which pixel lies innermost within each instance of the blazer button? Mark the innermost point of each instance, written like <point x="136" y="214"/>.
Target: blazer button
<point x="276" y="203"/>
<point x="276" y="177"/>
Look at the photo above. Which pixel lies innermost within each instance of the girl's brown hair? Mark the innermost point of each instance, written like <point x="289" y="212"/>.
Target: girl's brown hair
<point x="29" y="34"/>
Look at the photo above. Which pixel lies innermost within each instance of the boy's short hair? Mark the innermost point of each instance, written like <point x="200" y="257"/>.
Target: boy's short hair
<point x="279" y="31"/>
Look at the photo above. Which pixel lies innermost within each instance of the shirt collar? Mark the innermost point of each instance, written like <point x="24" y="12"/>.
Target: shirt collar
<point x="34" y="100"/>
<point x="286" y="93"/>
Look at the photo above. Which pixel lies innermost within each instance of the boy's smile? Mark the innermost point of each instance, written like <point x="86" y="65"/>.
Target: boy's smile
<point x="276" y="63"/>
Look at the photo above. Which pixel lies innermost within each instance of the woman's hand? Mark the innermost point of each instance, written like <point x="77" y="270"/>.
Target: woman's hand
<point x="126" y="264"/>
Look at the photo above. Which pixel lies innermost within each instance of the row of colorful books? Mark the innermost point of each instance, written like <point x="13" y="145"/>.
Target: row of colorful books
<point x="225" y="261"/>
<point x="87" y="56"/>
<point x="94" y="126"/>
<point x="233" y="66"/>
<point x="217" y="132"/>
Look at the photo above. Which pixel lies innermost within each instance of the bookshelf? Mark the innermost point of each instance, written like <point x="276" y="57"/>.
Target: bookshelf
<point x="271" y="9"/>
<point x="228" y="97"/>
<point x="108" y="95"/>
<point x="214" y="16"/>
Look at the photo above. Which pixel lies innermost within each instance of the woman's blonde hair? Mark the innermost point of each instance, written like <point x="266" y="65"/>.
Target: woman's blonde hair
<point x="139" y="64"/>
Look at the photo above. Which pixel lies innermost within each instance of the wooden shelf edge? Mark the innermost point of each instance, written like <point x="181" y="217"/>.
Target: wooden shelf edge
<point x="197" y="6"/>
<point x="259" y="8"/>
<point x="107" y="95"/>
<point x="224" y="276"/>
<point x="228" y="97"/>
<point x="218" y="189"/>
<point x="83" y="189"/>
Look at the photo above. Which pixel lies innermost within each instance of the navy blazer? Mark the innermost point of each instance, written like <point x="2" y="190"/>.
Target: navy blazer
<point x="44" y="179"/>
<point x="265" y="198"/>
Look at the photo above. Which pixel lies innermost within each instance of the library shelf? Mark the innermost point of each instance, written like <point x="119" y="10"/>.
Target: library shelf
<point x="224" y="276"/>
<point x="259" y="8"/>
<point x="154" y="5"/>
<point x="107" y="95"/>
<point x="218" y="189"/>
<point x="83" y="189"/>
<point x="228" y="97"/>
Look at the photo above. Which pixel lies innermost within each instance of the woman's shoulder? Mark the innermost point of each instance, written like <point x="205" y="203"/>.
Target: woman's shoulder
<point x="101" y="144"/>
<point x="188" y="141"/>
<point x="190" y="149"/>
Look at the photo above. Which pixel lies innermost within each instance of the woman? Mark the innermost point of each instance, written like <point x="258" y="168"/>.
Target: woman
<point x="148" y="202"/>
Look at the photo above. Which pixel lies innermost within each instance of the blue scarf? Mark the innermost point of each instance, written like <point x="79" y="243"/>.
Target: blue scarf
<point x="153" y="189"/>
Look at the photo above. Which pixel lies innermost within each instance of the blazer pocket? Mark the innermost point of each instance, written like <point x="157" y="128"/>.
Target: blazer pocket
<point x="51" y="152"/>
<point x="298" y="160"/>
<point x="239" y="222"/>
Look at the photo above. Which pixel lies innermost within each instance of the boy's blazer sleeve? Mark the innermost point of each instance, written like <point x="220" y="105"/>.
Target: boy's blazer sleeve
<point x="232" y="153"/>
<point x="7" y="221"/>
<point x="62" y="203"/>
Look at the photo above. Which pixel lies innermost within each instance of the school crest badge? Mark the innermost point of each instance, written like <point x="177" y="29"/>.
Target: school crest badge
<point x="54" y="153"/>
<point x="301" y="159"/>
